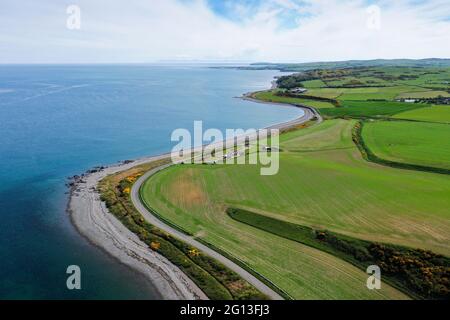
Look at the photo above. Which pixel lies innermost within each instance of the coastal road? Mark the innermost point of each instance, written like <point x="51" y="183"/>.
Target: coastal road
<point x="309" y="114"/>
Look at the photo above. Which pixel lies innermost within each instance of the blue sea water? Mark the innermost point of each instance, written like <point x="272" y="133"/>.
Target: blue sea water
<point x="58" y="121"/>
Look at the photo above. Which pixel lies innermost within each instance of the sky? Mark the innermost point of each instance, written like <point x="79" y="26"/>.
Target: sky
<point x="147" y="31"/>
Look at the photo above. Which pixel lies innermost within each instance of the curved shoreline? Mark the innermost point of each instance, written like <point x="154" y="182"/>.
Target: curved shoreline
<point x="93" y="221"/>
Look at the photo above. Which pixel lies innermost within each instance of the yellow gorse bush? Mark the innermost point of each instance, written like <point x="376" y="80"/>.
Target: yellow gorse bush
<point x="127" y="190"/>
<point x="155" y="245"/>
<point x="133" y="177"/>
<point x="194" y="252"/>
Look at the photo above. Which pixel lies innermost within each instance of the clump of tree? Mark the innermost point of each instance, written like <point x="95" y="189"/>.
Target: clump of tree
<point x="296" y="80"/>
<point x="289" y="82"/>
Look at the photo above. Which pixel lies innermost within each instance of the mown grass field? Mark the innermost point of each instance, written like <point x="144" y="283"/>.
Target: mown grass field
<point x="431" y="114"/>
<point x="418" y="143"/>
<point x="323" y="183"/>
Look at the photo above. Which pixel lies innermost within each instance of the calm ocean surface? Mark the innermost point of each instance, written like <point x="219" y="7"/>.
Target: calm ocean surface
<point x="58" y="121"/>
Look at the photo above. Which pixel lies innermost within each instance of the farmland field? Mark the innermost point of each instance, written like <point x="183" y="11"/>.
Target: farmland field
<point x="314" y="84"/>
<point x="387" y="93"/>
<point x="426" y="94"/>
<point x="328" y="93"/>
<point x="367" y="93"/>
<point x="431" y="114"/>
<point x="346" y="108"/>
<point x="416" y="143"/>
<point x="369" y="109"/>
<point x="323" y="182"/>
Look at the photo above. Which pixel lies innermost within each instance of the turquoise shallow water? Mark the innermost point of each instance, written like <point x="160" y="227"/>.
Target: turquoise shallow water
<point x="57" y="121"/>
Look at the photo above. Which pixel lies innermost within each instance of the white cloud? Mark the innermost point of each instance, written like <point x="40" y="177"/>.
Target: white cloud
<point x="151" y="30"/>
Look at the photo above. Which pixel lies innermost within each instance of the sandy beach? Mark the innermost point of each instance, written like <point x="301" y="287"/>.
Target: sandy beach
<point x="92" y="219"/>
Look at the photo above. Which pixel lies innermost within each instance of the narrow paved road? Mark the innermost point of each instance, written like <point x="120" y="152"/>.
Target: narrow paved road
<point x="309" y="114"/>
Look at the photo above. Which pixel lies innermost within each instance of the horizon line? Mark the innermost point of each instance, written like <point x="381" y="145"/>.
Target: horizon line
<point x="195" y="61"/>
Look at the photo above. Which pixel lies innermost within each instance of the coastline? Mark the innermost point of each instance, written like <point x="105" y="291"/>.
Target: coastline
<point x="92" y="220"/>
<point x="285" y="125"/>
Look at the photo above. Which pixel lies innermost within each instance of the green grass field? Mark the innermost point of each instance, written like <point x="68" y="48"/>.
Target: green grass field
<point x="346" y="109"/>
<point x="328" y="93"/>
<point x="314" y="84"/>
<point x="388" y="93"/>
<point x="363" y="109"/>
<point x="365" y="93"/>
<point x="426" y="94"/>
<point x="323" y="183"/>
<point x="432" y="114"/>
<point x="416" y="143"/>
<point x="401" y="272"/>
<point x="271" y="97"/>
